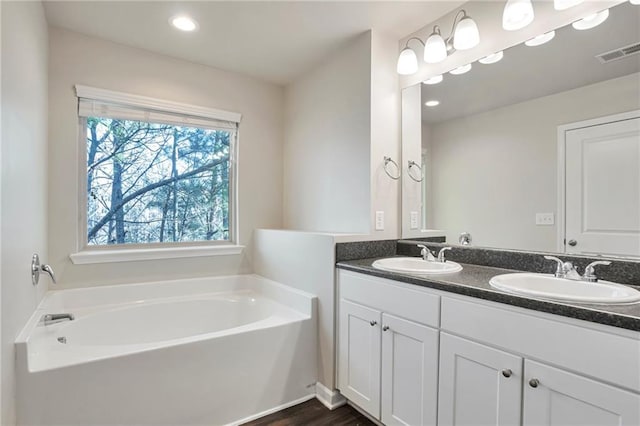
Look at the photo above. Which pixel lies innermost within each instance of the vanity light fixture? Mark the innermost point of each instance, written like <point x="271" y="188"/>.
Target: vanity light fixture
<point x="541" y="39"/>
<point x="407" y="61"/>
<point x="565" y="4"/>
<point x="464" y="35"/>
<point x="517" y="14"/>
<point x="432" y="103"/>
<point x="492" y="59"/>
<point x="591" y="21"/>
<point x="183" y="23"/>
<point x="434" y="80"/>
<point x="461" y="70"/>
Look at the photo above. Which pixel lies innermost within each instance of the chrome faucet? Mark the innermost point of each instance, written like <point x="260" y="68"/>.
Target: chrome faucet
<point x="568" y="271"/>
<point x="441" y="253"/>
<point x="590" y="272"/>
<point x="49" y="319"/>
<point x="426" y="253"/>
<point x="564" y="269"/>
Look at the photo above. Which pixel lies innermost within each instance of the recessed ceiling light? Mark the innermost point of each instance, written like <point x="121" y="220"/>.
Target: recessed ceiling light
<point x="461" y="70"/>
<point x="183" y="23"/>
<point x="591" y="21"/>
<point x="492" y="59"/>
<point x="432" y="103"/>
<point x="541" y="39"/>
<point x="433" y="80"/>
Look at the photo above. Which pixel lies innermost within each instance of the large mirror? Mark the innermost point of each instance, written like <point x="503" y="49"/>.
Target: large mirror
<point x="537" y="151"/>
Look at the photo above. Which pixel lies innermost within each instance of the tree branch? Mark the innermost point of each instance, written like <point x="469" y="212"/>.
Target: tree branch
<point x="151" y="187"/>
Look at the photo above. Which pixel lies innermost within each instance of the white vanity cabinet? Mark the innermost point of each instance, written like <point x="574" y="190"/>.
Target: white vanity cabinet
<point x="479" y="385"/>
<point x="479" y="362"/>
<point x="557" y="397"/>
<point x="387" y="362"/>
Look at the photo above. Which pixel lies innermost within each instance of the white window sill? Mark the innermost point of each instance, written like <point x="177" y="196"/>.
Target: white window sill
<point x="132" y="255"/>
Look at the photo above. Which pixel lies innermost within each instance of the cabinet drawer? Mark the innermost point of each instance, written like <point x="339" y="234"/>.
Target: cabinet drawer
<point x="606" y="356"/>
<point x="391" y="297"/>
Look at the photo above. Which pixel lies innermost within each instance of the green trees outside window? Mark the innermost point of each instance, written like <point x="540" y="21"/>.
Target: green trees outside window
<point x="156" y="183"/>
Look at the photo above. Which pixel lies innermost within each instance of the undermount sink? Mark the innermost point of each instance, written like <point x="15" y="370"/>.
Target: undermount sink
<point x="416" y="265"/>
<point x="550" y="287"/>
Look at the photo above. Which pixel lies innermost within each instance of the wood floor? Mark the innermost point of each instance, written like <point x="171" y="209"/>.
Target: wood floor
<point x="313" y="413"/>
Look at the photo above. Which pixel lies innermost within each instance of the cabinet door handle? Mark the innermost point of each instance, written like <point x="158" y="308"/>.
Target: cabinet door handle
<point x="373" y="323"/>
<point x="507" y="373"/>
<point x="385" y="328"/>
<point x="534" y="383"/>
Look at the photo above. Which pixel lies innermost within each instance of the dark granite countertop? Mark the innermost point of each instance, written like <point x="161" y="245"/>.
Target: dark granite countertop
<point x="473" y="281"/>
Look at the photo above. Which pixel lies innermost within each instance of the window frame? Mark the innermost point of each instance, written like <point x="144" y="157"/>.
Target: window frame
<point x="86" y="253"/>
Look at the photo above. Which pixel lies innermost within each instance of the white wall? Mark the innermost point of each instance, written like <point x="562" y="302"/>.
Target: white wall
<point x="327" y="144"/>
<point x="78" y="59"/>
<point x="385" y="134"/>
<point x="305" y="261"/>
<point x="23" y="176"/>
<point x="492" y="172"/>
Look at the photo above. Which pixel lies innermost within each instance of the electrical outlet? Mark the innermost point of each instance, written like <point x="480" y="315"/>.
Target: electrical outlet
<point x="414" y="220"/>
<point x="379" y="221"/>
<point x="544" y="219"/>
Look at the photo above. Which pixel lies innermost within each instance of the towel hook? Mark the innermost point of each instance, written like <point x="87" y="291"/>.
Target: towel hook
<point x="388" y="160"/>
<point x="414" y="164"/>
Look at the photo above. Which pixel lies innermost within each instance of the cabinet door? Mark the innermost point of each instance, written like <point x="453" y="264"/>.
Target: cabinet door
<point x="478" y="385"/>
<point x="409" y="372"/>
<point x="359" y="356"/>
<point x="561" y="398"/>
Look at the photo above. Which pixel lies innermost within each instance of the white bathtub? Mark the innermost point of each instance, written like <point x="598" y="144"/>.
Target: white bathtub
<point x="208" y="351"/>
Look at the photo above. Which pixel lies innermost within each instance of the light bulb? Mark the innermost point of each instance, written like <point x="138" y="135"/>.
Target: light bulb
<point x="517" y="14"/>
<point x="432" y="103"/>
<point x="435" y="49"/>
<point x="433" y="80"/>
<point x="565" y="4"/>
<point x="183" y="23"/>
<point x="492" y="59"/>
<point x="466" y="34"/>
<point x="407" y="62"/>
<point x="461" y="70"/>
<point x="591" y="21"/>
<point x="541" y="39"/>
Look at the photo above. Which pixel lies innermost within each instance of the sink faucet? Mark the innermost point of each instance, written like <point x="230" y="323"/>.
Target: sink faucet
<point x="426" y="253"/>
<point x="590" y="273"/>
<point x="568" y="271"/>
<point x="441" y="253"/>
<point x="49" y="319"/>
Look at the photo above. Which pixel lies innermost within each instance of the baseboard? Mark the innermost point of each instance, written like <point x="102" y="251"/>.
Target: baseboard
<point x="330" y="399"/>
<point x="272" y="410"/>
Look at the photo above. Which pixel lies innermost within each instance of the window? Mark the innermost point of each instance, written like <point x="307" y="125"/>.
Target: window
<point x="155" y="176"/>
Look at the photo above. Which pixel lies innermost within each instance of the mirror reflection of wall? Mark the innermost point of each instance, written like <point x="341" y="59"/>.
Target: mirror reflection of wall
<point x="494" y="138"/>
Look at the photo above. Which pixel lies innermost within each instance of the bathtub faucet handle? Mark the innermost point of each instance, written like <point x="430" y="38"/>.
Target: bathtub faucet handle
<point x="49" y="270"/>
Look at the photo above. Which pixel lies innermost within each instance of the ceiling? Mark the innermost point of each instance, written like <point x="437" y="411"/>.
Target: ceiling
<point x="566" y="62"/>
<point x="274" y="41"/>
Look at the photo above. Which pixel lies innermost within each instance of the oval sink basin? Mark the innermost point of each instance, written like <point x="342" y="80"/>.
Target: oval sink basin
<point x="415" y="265"/>
<point x="550" y="287"/>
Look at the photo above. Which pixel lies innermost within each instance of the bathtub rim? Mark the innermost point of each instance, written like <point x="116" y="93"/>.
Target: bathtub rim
<point x="298" y="300"/>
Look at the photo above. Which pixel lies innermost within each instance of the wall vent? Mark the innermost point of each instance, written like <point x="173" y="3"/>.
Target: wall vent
<point x="619" y="53"/>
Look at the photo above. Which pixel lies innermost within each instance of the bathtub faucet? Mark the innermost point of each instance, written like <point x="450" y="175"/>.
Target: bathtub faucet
<point x="49" y="319"/>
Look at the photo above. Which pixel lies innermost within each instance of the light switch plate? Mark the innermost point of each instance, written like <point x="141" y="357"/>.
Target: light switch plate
<point x="414" y="220"/>
<point x="545" y="219"/>
<point x="379" y="221"/>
